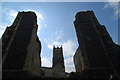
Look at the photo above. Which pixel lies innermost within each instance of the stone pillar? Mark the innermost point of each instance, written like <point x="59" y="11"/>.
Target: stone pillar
<point x="21" y="47"/>
<point x="58" y="62"/>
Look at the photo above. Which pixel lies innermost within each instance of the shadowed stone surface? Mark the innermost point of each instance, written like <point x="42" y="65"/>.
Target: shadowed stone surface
<point x="97" y="53"/>
<point x="21" y="47"/>
<point x="47" y="72"/>
<point x="58" y="62"/>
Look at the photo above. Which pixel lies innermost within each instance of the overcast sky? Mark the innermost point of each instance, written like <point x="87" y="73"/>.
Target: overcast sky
<point x="56" y="26"/>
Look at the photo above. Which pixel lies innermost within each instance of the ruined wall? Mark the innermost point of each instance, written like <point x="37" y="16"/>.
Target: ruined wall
<point x="21" y="46"/>
<point x="99" y="52"/>
<point x="92" y="41"/>
<point x="33" y="60"/>
<point x="89" y="38"/>
<point x="8" y="35"/>
<point x="78" y="61"/>
<point x="47" y="72"/>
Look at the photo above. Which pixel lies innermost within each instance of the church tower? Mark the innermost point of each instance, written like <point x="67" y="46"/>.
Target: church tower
<point x="58" y="62"/>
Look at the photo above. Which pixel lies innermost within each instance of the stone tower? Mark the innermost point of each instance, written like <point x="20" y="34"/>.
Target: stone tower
<point x="97" y="52"/>
<point x="58" y="62"/>
<point x="21" y="47"/>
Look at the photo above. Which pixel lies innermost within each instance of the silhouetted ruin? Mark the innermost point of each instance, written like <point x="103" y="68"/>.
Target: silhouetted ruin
<point x="21" y="47"/>
<point x="58" y="62"/>
<point x="97" y="55"/>
<point x="58" y="67"/>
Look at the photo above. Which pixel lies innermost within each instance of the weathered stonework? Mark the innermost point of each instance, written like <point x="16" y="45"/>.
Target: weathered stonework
<point x="78" y="61"/>
<point x="21" y="47"/>
<point x="97" y="52"/>
<point x="47" y="72"/>
<point x="58" y="69"/>
<point x="58" y="62"/>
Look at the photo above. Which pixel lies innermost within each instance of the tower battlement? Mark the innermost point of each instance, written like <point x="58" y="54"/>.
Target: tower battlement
<point x="57" y="47"/>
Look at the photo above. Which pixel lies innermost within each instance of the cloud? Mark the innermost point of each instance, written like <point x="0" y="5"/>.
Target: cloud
<point x="69" y="65"/>
<point x="2" y="29"/>
<point x="113" y="5"/>
<point x="69" y="68"/>
<point x="69" y="48"/>
<point x="11" y="14"/>
<point x="45" y="40"/>
<point x="58" y="37"/>
<point x="45" y="62"/>
<point x="55" y="43"/>
<point x="59" y="34"/>
<point x="68" y="60"/>
<point x="50" y="46"/>
<point x="45" y="25"/>
<point x="39" y="15"/>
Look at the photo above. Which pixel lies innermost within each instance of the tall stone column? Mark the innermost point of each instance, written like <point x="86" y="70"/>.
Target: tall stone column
<point x="58" y="62"/>
<point x="97" y="53"/>
<point x="21" y="47"/>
